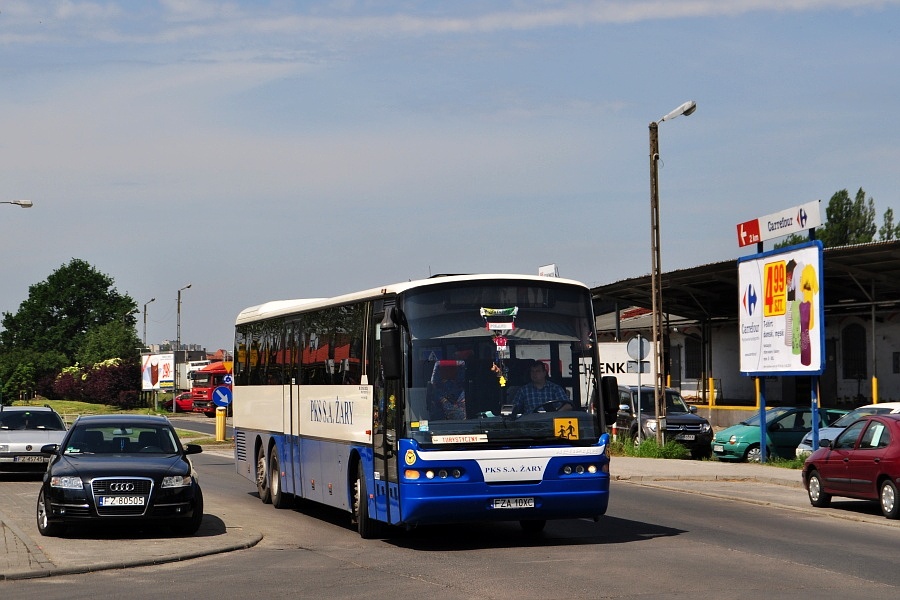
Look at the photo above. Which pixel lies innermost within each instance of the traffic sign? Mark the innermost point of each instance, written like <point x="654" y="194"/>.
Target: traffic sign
<point x="638" y="348"/>
<point x="786" y="222"/>
<point x="748" y="233"/>
<point x="221" y="396"/>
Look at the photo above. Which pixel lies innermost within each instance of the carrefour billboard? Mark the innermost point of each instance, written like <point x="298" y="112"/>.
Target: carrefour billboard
<point x="782" y="329"/>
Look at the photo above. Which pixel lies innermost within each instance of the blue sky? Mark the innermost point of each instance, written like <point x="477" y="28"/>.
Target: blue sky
<point x="271" y="150"/>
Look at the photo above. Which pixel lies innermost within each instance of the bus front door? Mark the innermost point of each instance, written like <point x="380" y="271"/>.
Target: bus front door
<point x="387" y="491"/>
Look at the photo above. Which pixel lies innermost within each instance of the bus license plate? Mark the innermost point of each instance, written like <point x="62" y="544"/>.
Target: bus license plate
<point x="121" y="500"/>
<point x="513" y="502"/>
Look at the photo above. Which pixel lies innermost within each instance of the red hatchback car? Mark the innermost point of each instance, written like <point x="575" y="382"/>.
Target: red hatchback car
<point x="863" y="461"/>
<point x="183" y="403"/>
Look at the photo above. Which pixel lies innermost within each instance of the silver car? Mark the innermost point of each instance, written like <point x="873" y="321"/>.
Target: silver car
<point x="829" y="433"/>
<point x="23" y="430"/>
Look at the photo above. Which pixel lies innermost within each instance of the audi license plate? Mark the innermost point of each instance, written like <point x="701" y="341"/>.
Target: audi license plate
<point x="513" y="502"/>
<point x="121" y="500"/>
<point x="32" y="459"/>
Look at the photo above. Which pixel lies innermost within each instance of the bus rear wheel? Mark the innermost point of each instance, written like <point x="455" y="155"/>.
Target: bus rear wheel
<point x="262" y="484"/>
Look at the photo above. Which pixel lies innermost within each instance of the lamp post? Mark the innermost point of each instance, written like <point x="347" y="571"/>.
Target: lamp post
<point x="145" y="319"/>
<point x="178" y="346"/>
<point x="656" y="270"/>
<point x="22" y="203"/>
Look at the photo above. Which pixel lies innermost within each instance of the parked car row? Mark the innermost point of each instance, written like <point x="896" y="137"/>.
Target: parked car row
<point x="805" y="447"/>
<point x="785" y="427"/>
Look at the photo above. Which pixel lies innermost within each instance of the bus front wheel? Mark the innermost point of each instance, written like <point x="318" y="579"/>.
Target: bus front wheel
<point x="368" y="528"/>
<point x="279" y="498"/>
<point x="262" y="484"/>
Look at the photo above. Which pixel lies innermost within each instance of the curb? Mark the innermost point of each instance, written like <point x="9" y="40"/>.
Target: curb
<point x="726" y="478"/>
<point x="659" y="482"/>
<point x="54" y="571"/>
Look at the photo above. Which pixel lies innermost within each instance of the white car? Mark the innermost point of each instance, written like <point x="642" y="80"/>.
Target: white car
<point x="23" y="430"/>
<point x="829" y="433"/>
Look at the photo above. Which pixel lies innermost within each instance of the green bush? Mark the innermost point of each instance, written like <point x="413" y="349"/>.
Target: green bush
<point x="648" y="449"/>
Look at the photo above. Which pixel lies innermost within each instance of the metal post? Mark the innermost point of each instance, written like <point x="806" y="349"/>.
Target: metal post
<point x="685" y="109"/>
<point x="814" y="387"/>
<point x="763" y="430"/>
<point x="145" y="319"/>
<point x="656" y="286"/>
<point x="177" y="346"/>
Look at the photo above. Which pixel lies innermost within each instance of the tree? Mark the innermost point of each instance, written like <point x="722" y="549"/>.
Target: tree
<point x="46" y="365"/>
<point x="792" y="240"/>
<point x="112" y="340"/>
<point x="849" y="221"/>
<point x="60" y="311"/>
<point x="888" y="230"/>
<point x="20" y="384"/>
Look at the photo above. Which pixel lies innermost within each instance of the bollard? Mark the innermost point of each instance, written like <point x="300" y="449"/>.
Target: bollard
<point x="221" y="412"/>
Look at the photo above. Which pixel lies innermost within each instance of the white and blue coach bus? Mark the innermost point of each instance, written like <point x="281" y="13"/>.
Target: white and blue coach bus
<point x="398" y="404"/>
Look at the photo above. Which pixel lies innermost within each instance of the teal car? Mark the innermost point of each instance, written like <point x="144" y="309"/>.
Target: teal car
<point x="785" y="427"/>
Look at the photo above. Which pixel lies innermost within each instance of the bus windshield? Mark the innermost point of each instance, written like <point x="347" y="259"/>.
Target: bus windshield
<point x="500" y="362"/>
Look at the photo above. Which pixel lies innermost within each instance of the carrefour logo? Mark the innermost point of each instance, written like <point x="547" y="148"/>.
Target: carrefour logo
<point x="749" y="300"/>
<point x="801" y="217"/>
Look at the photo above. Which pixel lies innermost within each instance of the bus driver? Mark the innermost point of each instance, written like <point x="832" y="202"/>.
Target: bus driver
<point x="539" y="392"/>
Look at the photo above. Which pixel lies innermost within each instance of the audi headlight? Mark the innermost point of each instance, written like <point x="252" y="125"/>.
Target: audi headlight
<point x="67" y="482"/>
<point x="174" y="481"/>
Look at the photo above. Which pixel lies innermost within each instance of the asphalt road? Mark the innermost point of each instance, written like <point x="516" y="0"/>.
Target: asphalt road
<point x="199" y="422"/>
<point x="653" y="543"/>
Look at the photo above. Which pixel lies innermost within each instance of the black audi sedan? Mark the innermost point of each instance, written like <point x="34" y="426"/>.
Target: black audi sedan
<point x="120" y="468"/>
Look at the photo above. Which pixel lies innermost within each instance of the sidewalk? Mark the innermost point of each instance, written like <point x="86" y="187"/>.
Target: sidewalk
<point x="748" y="482"/>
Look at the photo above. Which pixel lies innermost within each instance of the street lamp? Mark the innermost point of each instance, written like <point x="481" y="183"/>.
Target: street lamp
<point x="22" y="203"/>
<point x="656" y="270"/>
<point x="178" y="346"/>
<point x="145" y="319"/>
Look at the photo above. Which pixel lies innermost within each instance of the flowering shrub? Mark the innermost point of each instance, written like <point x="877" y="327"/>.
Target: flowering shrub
<point x="112" y="382"/>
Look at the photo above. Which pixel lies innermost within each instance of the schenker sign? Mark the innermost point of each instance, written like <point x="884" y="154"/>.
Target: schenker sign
<point x="792" y="220"/>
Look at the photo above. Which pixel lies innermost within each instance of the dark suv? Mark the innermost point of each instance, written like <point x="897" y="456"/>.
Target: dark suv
<point x="682" y="423"/>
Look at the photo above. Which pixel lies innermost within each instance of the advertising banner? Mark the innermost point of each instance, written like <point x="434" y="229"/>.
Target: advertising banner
<point x="157" y="372"/>
<point x="781" y="307"/>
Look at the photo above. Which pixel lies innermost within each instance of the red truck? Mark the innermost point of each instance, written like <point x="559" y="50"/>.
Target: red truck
<point x="204" y="382"/>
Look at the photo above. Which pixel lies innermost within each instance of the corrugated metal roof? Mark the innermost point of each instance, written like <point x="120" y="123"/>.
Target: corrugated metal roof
<point x="856" y="278"/>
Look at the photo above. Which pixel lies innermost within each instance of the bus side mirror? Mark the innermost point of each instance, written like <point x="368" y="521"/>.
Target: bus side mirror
<point x="391" y="353"/>
<point x="609" y="395"/>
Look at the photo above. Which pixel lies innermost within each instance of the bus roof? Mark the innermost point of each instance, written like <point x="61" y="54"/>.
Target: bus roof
<point x="284" y="307"/>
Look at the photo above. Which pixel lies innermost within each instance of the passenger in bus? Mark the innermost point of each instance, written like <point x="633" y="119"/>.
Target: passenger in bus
<point x="540" y="392"/>
<point x="448" y="390"/>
